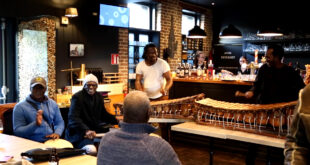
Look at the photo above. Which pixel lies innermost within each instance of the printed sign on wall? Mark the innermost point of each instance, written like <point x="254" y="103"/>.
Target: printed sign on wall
<point x="114" y="59"/>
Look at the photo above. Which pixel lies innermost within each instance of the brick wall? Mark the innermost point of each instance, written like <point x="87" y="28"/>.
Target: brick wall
<point x="208" y="21"/>
<point x="168" y="8"/>
<point x="123" y="55"/>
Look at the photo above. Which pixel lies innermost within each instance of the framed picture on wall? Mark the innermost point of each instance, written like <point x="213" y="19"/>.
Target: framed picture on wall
<point x="76" y="50"/>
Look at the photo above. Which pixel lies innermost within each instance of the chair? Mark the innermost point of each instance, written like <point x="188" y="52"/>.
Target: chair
<point x="6" y="111"/>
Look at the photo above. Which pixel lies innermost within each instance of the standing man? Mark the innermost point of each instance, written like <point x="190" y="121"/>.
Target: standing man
<point x="275" y="82"/>
<point x="37" y="117"/>
<point x="132" y="144"/>
<point x="87" y="116"/>
<point x="150" y="75"/>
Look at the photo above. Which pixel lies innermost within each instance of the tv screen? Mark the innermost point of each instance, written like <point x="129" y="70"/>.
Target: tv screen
<point x="113" y="16"/>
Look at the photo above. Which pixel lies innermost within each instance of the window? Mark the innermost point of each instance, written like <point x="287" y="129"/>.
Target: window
<point x="189" y="20"/>
<point x="188" y="23"/>
<point x="143" y="16"/>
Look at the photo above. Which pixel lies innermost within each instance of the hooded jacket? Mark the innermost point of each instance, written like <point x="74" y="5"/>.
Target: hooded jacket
<point x="24" y="119"/>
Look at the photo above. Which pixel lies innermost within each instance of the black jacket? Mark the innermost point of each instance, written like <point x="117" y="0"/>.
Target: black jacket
<point x="87" y="113"/>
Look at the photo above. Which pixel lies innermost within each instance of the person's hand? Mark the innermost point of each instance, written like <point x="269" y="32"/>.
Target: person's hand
<point x="90" y="134"/>
<point x="164" y="92"/>
<point x="249" y="94"/>
<point x="39" y="117"/>
<point x="226" y="72"/>
<point x="53" y="136"/>
<point x="307" y="81"/>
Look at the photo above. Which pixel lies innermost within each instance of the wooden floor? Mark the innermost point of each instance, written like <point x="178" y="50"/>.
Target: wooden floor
<point x="194" y="150"/>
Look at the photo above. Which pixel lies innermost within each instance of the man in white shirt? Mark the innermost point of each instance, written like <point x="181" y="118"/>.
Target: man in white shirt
<point x="152" y="73"/>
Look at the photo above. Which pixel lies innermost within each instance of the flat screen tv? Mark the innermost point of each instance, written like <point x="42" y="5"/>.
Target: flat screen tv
<point x="113" y="16"/>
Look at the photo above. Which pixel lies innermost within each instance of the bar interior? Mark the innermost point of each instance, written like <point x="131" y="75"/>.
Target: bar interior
<point x="225" y="79"/>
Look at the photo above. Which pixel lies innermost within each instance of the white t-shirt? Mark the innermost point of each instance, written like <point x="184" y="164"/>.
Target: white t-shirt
<point x="152" y="77"/>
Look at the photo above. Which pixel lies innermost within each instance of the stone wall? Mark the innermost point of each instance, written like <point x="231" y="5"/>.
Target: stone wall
<point x="49" y="25"/>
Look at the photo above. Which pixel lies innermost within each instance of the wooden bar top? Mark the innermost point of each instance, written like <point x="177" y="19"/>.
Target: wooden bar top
<point x="201" y="80"/>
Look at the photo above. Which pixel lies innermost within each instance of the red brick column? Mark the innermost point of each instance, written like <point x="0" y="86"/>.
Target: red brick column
<point x="171" y="8"/>
<point x="123" y="56"/>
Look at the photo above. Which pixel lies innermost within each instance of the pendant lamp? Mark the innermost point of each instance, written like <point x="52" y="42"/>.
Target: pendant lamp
<point x="71" y="12"/>
<point x="230" y="32"/>
<point x="196" y="32"/>
<point x="269" y="32"/>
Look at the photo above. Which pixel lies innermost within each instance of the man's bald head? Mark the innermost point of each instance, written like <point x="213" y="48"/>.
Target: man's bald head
<point x="137" y="108"/>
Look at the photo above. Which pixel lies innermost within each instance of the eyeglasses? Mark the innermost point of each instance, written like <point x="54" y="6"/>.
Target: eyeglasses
<point x="91" y="85"/>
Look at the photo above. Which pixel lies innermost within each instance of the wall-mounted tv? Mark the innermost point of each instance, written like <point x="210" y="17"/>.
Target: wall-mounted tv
<point x="113" y="16"/>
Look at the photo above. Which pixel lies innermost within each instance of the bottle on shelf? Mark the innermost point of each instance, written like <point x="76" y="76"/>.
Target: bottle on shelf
<point x="204" y="67"/>
<point x="178" y="70"/>
<point x="194" y="71"/>
<point x="199" y="71"/>
<point x="53" y="159"/>
<point x="182" y="71"/>
<point x="189" y="70"/>
<point x="210" y="69"/>
<point x="186" y="70"/>
<point x="204" y="70"/>
<point x="256" y="57"/>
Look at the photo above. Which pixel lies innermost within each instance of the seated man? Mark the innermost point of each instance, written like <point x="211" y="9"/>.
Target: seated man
<point x="37" y="117"/>
<point x="132" y="143"/>
<point x="87" y="116"/>
<point x="297" y="146"/>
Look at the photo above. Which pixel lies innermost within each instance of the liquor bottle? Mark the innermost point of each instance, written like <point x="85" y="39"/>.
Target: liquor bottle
<point x="178" y="70"/>
<point x="186" y="70"/>
<point x="204" y="70"/>
<point x="182" y="71"/>
<point x="189" y="70"/>
<point x="205" y="67"/>
<point x="256" y="57"/>
<point x="199" y="71"/>
<point x="194" y="71"/>
<point x="53" y="159"/>
<point x="210" y="69"/>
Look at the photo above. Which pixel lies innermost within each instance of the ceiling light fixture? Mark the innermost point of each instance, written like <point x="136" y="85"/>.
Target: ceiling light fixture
<point x="196" y="32"/>
<point x="231" y="32"/>
<point x="269" y="32"/>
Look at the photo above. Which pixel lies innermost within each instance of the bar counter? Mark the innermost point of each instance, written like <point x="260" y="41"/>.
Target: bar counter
<point x="231" y="82"/>
<point x="223" y="90"/>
